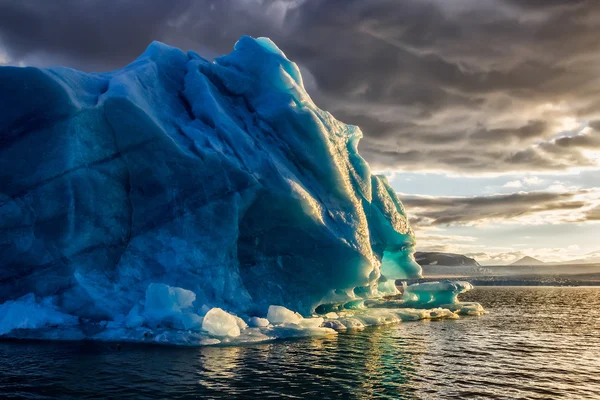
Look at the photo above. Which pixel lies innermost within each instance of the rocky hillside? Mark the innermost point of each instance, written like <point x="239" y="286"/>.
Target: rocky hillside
<point x="450" y="259"/>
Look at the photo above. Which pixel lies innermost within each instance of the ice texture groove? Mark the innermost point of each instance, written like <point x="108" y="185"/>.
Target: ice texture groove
<point x="218" y="183"/>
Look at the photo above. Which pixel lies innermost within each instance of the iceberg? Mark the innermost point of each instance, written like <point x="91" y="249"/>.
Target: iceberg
<point x="178" y="199"/>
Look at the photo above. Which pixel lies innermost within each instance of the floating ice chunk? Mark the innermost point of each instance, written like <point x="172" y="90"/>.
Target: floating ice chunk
<point x="27" y="313"/>
<point x="411" y="314"/>
<point x="164" y="301"/>
<point x="331" y="315"/>
<point x="185" y="339"/>
<point x="311" y="322"/>
<point x="296" y="330"/>
<point x="281" y="315"/>
<point x="252" y="335"/>
<point x="257" y="322"/>
<point x="352" y="323"/>
<point x="241" y="323"/>
<point x="466" y="308"/>
<point x="442" y="313"/>
<point x="385" y="316"/>
<point x="220" y="323"/>
<point x="334" y="324"/>
<point x="377" y="317"/>
<point x="209" y="341"/>
<point x="291" y="324"/>
<point x="430" y="294"/>
<point x="414" y="314"/>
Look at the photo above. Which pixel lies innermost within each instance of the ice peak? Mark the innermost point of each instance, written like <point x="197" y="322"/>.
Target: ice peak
<point x="263" y="62"/>
<point x="157" y="50"/>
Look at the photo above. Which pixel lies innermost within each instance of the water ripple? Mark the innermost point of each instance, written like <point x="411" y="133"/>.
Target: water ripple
<point x="536" y="343"/>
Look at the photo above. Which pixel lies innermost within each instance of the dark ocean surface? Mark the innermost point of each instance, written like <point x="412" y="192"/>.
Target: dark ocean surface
<point x="536" y="342"/>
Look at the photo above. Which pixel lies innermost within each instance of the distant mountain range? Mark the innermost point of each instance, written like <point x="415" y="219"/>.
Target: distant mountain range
<point x="590" y="258"/>
<point x="528" y="261"/>
<point x="425" y="258"/>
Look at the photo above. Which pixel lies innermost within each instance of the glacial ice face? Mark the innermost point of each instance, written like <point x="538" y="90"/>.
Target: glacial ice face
<point x="220" y="178"/>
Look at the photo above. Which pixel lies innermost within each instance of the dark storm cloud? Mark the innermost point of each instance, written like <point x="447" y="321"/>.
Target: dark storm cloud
<point x="433" y="84"/>
<point x="85" y="34"/>
<point x="593" y="214"/>
<point x="465" y="210"/>
<point x="533" y="129"/>
<point x="583" y="141"/>
<point x="595" y="125"/>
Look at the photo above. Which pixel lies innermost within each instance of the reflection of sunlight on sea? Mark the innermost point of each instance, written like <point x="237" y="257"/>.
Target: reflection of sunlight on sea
<point x="382" y="361"/>
<point x="219" y="366"/>
<point x="535" y="343"/>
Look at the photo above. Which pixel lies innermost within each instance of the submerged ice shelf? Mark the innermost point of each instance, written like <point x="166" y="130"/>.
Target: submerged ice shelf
<point x="187" y="197"/>
<point x="169" y="317"/>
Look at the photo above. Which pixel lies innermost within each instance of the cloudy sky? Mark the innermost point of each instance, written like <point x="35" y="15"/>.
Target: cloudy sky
<point x="484" y="114"/>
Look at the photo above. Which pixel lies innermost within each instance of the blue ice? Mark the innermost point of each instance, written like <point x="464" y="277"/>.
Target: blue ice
<point x="141" y="199"/>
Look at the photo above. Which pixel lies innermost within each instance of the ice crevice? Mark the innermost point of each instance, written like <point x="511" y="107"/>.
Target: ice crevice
<point x="186" y="201"/>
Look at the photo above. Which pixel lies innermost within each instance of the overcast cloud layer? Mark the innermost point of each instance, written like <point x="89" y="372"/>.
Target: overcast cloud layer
<point x="470" y="86"/>
<point x="575" y="206"/>
<point x="457" y="89"/>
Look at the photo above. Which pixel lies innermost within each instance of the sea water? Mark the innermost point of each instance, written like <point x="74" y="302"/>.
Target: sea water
<point x="536" y="342"/>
